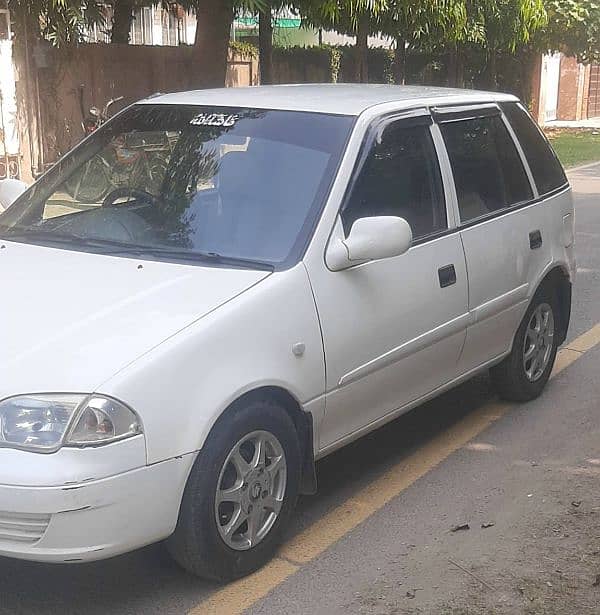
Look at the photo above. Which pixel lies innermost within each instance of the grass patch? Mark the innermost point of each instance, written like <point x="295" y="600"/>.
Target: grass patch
<point x="575" y="147"/>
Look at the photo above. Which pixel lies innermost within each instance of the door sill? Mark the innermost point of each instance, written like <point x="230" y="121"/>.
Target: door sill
<point x="390" y="416"/>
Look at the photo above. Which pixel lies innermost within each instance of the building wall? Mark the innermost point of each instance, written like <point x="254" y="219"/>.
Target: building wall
<point x="8" y="105"/>
<point x="575" y="86"/>
<point x="9" y="137"/>
<point x="568" y="89"/>
<point x="592" y="103"/>
<point x="111" y="71"/>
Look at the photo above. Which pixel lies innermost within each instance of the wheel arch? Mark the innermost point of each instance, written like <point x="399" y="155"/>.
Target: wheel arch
<point x="558" y="279"/>
<point x="302" y="420"/>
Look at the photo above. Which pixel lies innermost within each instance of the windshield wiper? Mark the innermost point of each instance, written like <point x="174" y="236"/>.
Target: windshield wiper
<point x="189" y="255"/>
<point x="110" y="246"/>
<point x="63" y="239"/>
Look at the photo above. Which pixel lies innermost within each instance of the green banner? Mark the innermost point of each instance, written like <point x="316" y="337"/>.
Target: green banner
<point x="283" y="22"/>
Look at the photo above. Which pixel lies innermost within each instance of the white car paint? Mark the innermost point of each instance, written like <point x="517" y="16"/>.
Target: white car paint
<point x="87" y="316"/>
<point x="10" y="191"/>
<point x="179" y="343"/>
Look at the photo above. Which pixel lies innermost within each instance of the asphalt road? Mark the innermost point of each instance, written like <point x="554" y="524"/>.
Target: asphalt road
<point x="377" y="538"/>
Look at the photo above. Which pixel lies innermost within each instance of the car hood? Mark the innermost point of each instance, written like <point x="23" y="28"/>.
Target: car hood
<point x="70" y="320"/>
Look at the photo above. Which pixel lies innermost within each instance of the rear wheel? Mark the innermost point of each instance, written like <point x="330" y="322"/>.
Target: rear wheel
<point x="240" y="494"/>
<point x="523" y="375"/>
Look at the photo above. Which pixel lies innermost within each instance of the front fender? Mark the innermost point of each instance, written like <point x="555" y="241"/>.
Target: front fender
<point x="182" y="386"/>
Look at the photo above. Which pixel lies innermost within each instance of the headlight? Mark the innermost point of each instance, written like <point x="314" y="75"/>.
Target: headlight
<point x="44" y="423"/>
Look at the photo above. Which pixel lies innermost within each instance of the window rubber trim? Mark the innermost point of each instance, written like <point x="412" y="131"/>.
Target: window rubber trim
<point x="491" y="216"/>
<point x="512" y="208"/>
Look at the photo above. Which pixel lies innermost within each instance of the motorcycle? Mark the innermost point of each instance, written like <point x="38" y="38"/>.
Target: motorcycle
<point x="95" y="117"/>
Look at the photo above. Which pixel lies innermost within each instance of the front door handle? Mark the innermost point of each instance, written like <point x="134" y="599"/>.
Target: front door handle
<point x="447" y="276"/>
<point x="535" y="240"/>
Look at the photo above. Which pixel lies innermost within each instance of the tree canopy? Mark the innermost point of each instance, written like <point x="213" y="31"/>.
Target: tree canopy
<point x="61" y="22"/>
<point x="493" y="27"/>
<point x="573" y="27"/>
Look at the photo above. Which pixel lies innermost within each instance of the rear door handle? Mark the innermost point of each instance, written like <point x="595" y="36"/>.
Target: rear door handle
<point x="535" y="240"/>
<point x="447" y="276"/>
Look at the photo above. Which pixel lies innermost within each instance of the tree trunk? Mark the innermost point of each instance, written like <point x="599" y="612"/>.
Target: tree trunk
<point x="215" y="18"/>
<point x="265" y="45"/>
<point x="27" y="35"/>
<point x="528" y="67"/>
<point x="122" y="21"/>
<point x="456" y="67"/>
<point x="361" y="70"/>
<point x="400" y="61"/>
<point x="460" y="68"/>
<point x="452" y="60"/>
<point x="492" y="71"/>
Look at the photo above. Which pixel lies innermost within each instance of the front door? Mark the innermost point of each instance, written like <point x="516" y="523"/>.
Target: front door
<point x="393" y="329"/>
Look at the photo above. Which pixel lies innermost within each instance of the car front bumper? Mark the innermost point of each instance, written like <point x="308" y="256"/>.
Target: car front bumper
<point x="92" y="519"/>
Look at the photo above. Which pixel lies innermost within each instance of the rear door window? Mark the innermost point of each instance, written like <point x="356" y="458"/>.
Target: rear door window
<point x="487" y="168"/>
<point x="545" y="166"/>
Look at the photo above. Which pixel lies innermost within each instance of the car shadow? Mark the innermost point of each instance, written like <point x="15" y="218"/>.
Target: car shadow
<point x="149" y="581"/>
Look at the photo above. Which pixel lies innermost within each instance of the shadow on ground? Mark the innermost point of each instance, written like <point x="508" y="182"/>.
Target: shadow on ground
<point x="148" y="581"/>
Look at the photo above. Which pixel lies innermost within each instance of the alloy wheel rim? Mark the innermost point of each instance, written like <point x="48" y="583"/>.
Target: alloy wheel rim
<point x="250" y="490"/>
<point x="539" y="340"/>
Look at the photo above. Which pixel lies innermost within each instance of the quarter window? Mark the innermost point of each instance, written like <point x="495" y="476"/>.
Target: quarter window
<point x="488" y="172"/>
<point x="545" y="167"/>
<point x="400" y="177"/>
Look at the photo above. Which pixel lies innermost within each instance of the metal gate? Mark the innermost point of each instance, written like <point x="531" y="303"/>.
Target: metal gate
<point x="550" y="81"/>
<point x="594" y="92"/>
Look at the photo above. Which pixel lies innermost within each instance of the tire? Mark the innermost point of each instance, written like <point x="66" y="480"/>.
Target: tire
<point x="514" y="378"/>
<point x="198" y="543"/>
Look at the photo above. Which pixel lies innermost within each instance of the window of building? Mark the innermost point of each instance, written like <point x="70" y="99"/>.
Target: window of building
<point x="5" y="33"/>
<point x="142" y="27"/>
<point x="170" y="28"/>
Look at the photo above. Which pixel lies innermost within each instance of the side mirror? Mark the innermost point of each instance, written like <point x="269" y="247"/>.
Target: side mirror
<point x="10" y="191"/>
<point x="369" y="239"/>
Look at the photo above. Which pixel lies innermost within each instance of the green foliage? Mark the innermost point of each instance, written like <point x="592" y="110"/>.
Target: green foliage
<point x="575" y="147"/>
<point x="573" y="27"/>
<point x="325" y="57"/>
<point x="61" y="22"/>
<point x="244" y="49"/>
<point x="342" y="15"/>
<point x="425" y="23"/>
<point x="506" y="24"/>
<point x="335" y="63"/>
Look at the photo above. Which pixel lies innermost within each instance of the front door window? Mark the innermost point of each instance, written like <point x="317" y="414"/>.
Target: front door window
<point x="400" y="177"/>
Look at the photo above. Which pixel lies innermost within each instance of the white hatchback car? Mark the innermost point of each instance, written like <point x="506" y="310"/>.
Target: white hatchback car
<point x="217" y="288"/>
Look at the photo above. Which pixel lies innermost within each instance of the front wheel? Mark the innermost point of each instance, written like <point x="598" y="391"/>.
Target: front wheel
<point x="240" y="494"/>
<point x="523" y="374"/>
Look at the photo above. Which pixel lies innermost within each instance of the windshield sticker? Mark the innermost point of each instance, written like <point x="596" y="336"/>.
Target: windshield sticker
<point x="215" y="119"/>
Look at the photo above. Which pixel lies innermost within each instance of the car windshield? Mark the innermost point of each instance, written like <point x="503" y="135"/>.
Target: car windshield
<point x="188" y="182"/>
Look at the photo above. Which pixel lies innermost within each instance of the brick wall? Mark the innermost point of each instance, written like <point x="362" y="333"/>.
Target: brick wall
<point x="568" y="89"/>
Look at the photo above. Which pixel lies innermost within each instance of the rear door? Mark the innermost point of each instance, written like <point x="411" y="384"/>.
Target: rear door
<point x="504" y="229"/>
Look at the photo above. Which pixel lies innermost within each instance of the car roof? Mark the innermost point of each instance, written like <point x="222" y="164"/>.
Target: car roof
<point x="342" y="99"/>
